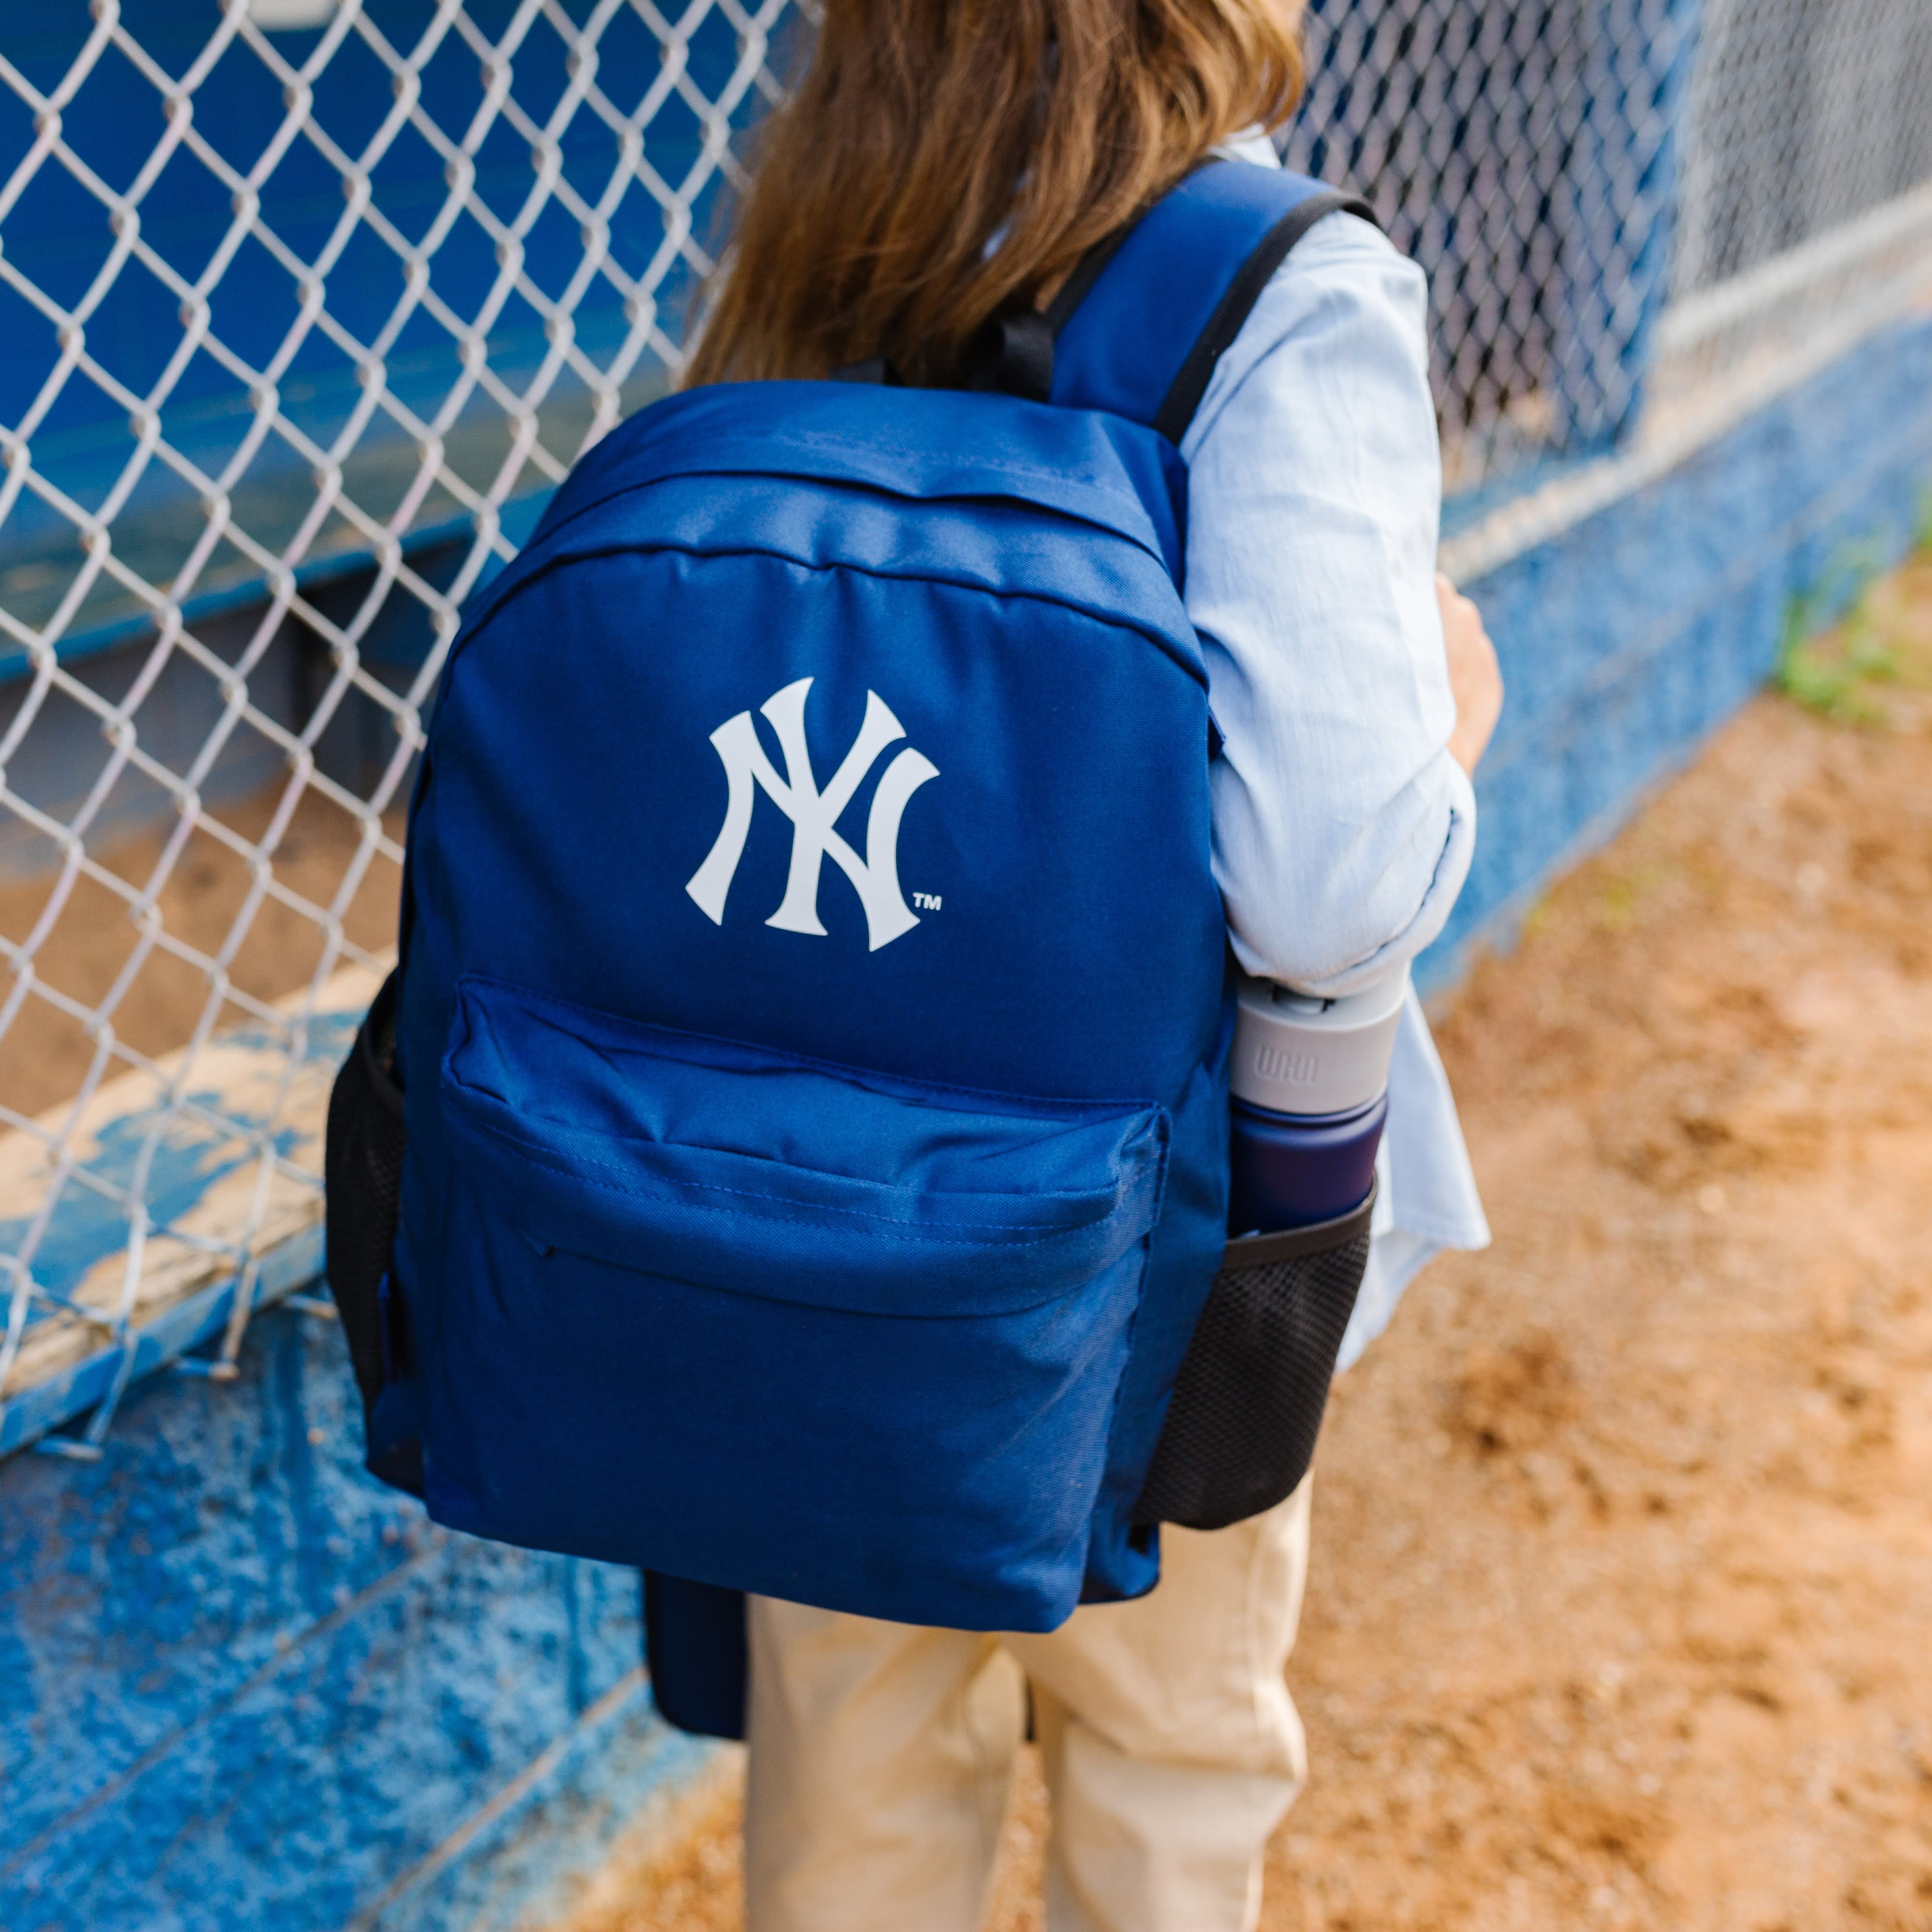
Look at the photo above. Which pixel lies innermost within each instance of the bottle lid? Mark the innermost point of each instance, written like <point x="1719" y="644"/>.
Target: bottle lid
<point x="1296" y="1055"/>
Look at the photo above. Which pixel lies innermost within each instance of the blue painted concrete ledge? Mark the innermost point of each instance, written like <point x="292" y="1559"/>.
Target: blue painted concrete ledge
<point x="242" y="1686"/>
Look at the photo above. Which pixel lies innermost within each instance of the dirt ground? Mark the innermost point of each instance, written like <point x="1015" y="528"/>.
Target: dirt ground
<point x="1622" y="1582"/>
<point x="87" y="940"/>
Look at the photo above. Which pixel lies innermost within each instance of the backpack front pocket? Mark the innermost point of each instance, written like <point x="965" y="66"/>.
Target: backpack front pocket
<point x="799" y="1329"/>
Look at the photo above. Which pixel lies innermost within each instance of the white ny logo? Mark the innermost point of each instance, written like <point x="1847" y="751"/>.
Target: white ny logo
<point x="814" y="814"/>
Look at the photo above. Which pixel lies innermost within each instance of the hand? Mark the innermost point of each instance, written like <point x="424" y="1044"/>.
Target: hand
<point x="1475" y="682"/>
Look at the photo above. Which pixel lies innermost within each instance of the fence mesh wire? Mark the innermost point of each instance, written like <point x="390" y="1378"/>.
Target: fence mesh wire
<point x="1525" y="154"/>
<point x="1806" y="197"/>
<point x="306" y="305"/>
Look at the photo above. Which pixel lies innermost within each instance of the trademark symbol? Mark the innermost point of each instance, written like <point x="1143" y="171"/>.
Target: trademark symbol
<point x="926" y="901"/>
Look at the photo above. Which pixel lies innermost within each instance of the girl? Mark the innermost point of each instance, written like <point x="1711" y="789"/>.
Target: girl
<point x="941" y="158"/>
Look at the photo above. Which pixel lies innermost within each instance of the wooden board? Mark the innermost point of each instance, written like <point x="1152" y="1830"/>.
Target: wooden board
<point x="229" y="1148"/>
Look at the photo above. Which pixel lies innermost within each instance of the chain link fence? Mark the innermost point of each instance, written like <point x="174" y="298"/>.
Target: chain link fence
<point x="1525" y="154"/>
<point x="306" y="308"/>
<point x="1806" y="202"/>
<point x="307" y="304"/>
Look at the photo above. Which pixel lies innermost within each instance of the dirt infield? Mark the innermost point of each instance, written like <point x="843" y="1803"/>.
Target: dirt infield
<point x="1623" y="1570"/>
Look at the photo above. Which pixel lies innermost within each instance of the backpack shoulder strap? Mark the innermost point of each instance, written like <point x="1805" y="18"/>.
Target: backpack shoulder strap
<point x="1142" y="322"/>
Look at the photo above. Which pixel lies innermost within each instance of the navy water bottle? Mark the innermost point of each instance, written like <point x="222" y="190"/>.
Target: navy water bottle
<point x="1309" y="1087"/>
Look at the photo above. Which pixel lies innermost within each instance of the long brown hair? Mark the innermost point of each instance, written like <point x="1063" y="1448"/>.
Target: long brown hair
<point x="923" y="129"/>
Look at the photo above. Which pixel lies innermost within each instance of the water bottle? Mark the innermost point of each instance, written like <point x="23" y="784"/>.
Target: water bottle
<point x="1309" y="1084"/>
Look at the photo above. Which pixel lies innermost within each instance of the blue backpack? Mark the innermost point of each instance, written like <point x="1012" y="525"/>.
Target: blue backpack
<point x="813" y="1019"/>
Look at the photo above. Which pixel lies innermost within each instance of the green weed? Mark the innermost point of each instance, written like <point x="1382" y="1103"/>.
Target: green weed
<point x="1624" y="893"/>
<point x="1833" y="674"/>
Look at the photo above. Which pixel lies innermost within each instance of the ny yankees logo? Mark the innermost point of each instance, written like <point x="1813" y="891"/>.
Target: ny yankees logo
<point x="814" y="815"/>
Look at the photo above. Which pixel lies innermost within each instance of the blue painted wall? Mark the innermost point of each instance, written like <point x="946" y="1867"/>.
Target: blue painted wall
<point x="241" y="1686"/>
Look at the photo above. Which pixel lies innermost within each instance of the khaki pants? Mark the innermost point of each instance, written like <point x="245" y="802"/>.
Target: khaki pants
<point x="880" y="1753"/>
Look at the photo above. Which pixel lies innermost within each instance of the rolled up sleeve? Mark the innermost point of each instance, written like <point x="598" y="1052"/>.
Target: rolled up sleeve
<point x="1343" y="830"/>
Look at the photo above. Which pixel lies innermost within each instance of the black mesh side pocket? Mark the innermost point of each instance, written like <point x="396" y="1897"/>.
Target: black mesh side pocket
<point x="1249" y="1399"/>
<point x="362" y="1172"/>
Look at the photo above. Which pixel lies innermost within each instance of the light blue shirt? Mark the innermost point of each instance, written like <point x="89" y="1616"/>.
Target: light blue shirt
<point x="1343" y="829"/>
